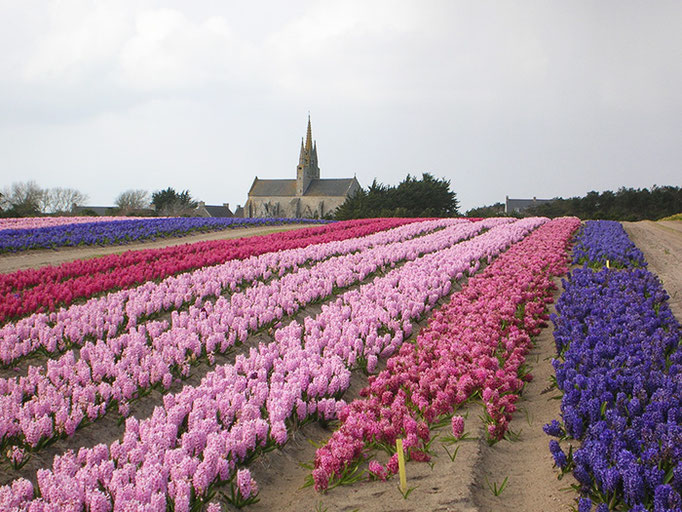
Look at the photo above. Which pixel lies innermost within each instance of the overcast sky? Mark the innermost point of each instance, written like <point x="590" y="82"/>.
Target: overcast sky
<point x="527" y="98"/>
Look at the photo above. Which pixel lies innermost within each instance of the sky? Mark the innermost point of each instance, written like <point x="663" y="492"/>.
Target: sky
<point x="520" y="98"/>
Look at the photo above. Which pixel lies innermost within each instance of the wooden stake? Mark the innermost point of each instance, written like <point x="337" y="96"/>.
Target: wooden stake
<point x="401" y="465"/>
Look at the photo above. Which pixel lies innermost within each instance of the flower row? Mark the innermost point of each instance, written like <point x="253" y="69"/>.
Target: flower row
<point x="115" y="313"/>
<point x="123" y="231"/>
<point x="475" y="344"/>
<point x="53" y="400"/>
<point x="606" y="240"/>
<point x="28" y="291"/>
<point x="202" y="434"/>
<point x="43" y="222"/>
<point x="620" y="374"/>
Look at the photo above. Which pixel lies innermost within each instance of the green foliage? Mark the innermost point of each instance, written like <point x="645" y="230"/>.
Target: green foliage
<point x="170" y="202"/>
<point x="494" y="488"/>
<point x="425" y="197"/>
<point x="407" y="491"/>
<point x="494" y="210"/>
<point x="626" y="204"/>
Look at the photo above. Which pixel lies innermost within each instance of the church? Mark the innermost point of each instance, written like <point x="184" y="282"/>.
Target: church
<point x="308" y="196"/>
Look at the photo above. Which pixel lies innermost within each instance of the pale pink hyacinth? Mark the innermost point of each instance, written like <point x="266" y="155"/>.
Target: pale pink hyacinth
<point x="246" y="484"/>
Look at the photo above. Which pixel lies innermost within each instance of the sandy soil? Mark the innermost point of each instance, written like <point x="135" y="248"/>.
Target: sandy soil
<point x="38" y="258"/>
<point x="661" y="243"/>
<point x="444" y="485"/>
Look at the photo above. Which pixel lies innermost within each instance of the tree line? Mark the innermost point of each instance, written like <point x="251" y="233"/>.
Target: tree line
<point x="412" y="197"/>
<point x="28" y="199"/>
<point x="627" y="204"/>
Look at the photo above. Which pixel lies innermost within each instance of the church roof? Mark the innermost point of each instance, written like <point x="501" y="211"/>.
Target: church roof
<point x="273" y="188"/>
<point x="329" y="187"/>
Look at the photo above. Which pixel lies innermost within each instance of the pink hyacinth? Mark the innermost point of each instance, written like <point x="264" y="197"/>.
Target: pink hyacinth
<point x="457" y="426"/>
<point x="376" y="469"/>
<point x="246" y="484"/>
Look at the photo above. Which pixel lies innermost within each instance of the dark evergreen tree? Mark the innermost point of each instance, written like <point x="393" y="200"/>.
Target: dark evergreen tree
<point x="425" y="197"/>
<point x="170" y="202"/>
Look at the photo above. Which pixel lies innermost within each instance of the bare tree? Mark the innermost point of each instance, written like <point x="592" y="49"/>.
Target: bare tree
<point x="62" y="200"/>
<point x="23" y="198"/>
<point x="27" y="198"/>
<point x="132" y="200"/>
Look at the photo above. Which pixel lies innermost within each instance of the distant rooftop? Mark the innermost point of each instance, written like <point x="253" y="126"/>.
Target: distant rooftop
<point x="519" y="205"/>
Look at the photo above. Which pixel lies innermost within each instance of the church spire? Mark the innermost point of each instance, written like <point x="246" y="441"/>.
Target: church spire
<point x="308" y="169"/>
<point x="309" y="137"/>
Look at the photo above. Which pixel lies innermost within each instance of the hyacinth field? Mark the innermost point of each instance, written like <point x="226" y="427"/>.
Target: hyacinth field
<point x="619" y="369"/>
<point x="53" y="232"/>
<point x="244" y="342"/>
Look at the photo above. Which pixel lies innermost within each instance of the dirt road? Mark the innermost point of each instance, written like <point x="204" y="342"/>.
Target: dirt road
<point x="661" y="243"/>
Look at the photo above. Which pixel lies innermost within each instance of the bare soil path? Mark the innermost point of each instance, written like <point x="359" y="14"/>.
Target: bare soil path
<point x="39" y="258"/>
<point x="524" y="457"/>
<point x="661" y="243"/>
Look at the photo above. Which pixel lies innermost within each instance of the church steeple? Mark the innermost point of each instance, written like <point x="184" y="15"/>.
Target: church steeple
<point x="309" y="138"/>
<point x="308" y="169"/>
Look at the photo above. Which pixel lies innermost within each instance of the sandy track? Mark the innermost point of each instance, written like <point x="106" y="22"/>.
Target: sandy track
<point x="39" y="258"/>
<point x="533" y="484"/>
<point x="661" y="243"/>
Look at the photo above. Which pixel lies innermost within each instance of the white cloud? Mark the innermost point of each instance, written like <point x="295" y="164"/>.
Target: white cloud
<point x="168" y="51"/>
<point x="82" y="40"/>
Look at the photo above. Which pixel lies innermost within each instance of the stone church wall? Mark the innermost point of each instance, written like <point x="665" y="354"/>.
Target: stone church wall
<point x="307" y="207"/>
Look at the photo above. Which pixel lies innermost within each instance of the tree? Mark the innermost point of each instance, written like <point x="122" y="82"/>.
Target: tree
<point x="425" y="197"/>
<point x="23" y="199"/>
<point x="61" y="200"/>
<point x="131" y="200"/>
<point x="169" y="202"/>
<point x="494" y="210"/>
<point x="625" y="204"/>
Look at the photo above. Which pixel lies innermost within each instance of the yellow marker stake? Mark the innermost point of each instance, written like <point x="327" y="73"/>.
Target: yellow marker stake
<point x="401" y="465"/>
<point x="608" y="265"/>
